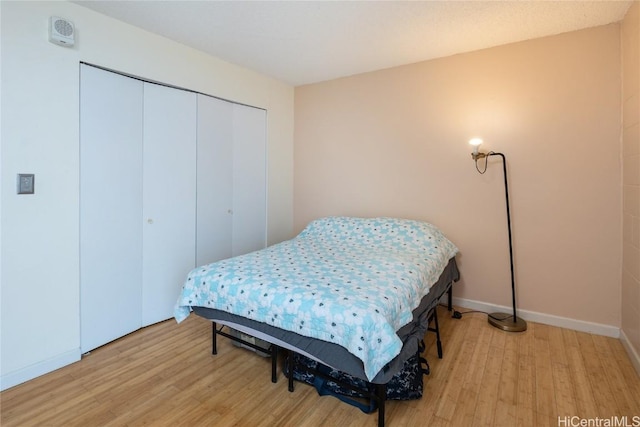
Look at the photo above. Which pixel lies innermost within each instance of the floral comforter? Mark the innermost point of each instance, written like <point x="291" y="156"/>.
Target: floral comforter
<point x="350" y="281"/>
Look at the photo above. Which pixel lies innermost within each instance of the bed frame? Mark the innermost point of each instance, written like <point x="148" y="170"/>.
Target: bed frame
<point x="379" y="394"/>
<point x="424" y="316"/>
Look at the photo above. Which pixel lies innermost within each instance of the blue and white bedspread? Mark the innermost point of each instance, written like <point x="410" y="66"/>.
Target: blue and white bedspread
<point x="350" y="281"/>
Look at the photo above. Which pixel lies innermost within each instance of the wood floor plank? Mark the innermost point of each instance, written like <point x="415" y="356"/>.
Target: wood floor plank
<point x="605" y="402"/>
<point x="627" y="398"/>
<point x="583" y="392"/>
<point x="562" y="381"/>
<point x="485" y="412"/>
<point x="462" y="354"/>
<point x="507" y="395"/>
<point x="467" y="402"/>
<point x="624" y="368"/>
<point x="165" y="375"/>
<point x="526" y="391"/>
<point x="545" y="391"/>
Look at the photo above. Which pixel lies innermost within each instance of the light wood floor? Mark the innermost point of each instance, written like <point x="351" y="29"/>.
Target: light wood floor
<point x="165" y="375"/>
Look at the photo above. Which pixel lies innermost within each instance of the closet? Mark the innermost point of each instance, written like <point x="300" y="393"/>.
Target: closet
<point x="169" y="179"/>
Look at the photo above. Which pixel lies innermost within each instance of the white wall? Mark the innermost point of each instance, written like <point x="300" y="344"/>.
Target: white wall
<point x="39" y="288"/>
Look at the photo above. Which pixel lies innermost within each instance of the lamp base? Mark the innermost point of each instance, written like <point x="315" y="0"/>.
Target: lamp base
<point x="505" y="322"/>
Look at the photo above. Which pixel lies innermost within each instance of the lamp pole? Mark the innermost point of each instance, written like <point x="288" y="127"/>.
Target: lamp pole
<point x="504" y="321"/>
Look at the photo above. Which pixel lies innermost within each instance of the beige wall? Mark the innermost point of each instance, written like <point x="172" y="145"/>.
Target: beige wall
<point x="394" y="142"/>
<point x="631" y="178"/>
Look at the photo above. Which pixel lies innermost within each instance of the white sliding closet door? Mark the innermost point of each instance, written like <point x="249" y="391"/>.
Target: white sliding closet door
<point x="215" y="179"/>
<point x="231" y="179"/>
<point x="110" y="206"/>
<point x="169" y="197"/>
<point x="168" y="178"/>
<point x="249" y="179"/>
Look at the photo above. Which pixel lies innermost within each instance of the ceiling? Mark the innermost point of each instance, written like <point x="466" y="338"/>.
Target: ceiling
<point x="301" y="42"/>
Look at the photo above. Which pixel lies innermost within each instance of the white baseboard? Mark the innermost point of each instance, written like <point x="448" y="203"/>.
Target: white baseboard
<point x="547" y="319"/>
<point x="633" y="354"/>
<point x="30" y="372"/>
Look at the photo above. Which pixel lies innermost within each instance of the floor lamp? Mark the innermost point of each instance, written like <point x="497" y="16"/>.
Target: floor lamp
<point x="506" y="322"/>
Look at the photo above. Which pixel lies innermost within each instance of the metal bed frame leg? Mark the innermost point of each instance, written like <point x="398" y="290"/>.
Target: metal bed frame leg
<point x="272" y="351"/>
<point x="290" y="367"/>
<point x="274" y="363"/>
<point x="381" y="392"/>
<point x="437" y="327"/>
<point x="214" y="341"/>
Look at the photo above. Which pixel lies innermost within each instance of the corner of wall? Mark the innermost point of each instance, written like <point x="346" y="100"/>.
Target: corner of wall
<point x="630" y="269"/>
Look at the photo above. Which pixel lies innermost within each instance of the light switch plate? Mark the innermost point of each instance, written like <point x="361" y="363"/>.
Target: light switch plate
<point x="26" y="183"/>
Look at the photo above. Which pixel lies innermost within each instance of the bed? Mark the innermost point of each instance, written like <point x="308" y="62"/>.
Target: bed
<point x="355" y="294"/>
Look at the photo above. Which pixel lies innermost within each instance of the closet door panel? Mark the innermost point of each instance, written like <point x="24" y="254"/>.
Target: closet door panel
<point x="110" y="206"/>
<point x="215" y="180"/>
<point x="249" y="179"/>
<point x="169" y="197"/>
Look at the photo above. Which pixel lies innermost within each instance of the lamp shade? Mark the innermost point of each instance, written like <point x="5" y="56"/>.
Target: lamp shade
<point x="475" y="142"/>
